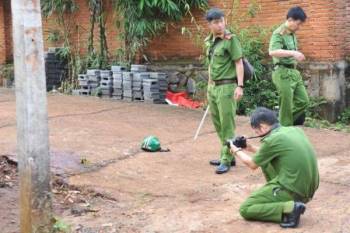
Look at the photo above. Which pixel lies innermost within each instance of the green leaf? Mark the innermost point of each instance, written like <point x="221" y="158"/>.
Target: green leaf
<point x="141" y="4"/>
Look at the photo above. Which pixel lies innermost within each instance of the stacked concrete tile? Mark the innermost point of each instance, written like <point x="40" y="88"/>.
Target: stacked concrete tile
<point x="106" y="83"/>
<point x="138" y="68"/>
<point x="118" y="68"/>
<point x="88" y="82"/>
<point x="163" y="84"/>
<point x="94" y="78"/>
<point x="127" y="86"/>
<point x="117" y="85"/>
<point x="151" y="90"/>
<point x="117" y="73"/>
<point x="137" y="85"/>
<point x="139" y="74"/>
<point x="84" y="88"/>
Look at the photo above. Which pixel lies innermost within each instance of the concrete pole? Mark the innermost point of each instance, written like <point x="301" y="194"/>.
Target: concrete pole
<point x="32" y="119"/>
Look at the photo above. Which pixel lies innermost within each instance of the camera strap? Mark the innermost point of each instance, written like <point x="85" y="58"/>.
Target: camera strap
<point x="257" y="136"/>
<point x="275" y="126"/>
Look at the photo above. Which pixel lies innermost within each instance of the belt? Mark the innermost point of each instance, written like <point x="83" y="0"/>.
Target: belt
<point x="289" y="66"/>
<point x="223" y="82"/>
<point x="295" y="196"/>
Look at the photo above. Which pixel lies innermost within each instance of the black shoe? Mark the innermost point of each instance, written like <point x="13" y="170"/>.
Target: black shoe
<point x="223" y="168"/>
<point x="300" y="120"/>
<point x="217" y="162"/>
<point x="292" y="220"/>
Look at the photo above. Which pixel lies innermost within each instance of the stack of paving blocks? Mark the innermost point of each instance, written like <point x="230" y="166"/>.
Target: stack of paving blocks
<point x="138" y="68"/>
<point x="94" y="78"/>
<point x="106" y="83"/>
<point x="117" y="85"/>
<point x="117" y="73"/>
<point x="118" y="68"/>
<point x="137" y="85"/>
<point x="139" y="74"/>
<point x="127" y="86"/>
<point x="151" y="90"/>
<point x="163" y="84"/>
<point x="84" y="84"/>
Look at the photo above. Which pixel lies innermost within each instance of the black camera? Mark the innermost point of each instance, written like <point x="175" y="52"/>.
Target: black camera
<point x="239" y="141"/>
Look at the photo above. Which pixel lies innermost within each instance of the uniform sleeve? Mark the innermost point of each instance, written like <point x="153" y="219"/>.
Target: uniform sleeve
<point x="268" y="151"/>
<point x="295" y="42"/>
<point x="235" y="49"/>
<point x="206" y="54"/>
<point x="276" y="42"/>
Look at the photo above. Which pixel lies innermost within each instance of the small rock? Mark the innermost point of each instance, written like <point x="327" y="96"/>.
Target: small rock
<point x="107" y="225"/>
<point x="78" y="210"/>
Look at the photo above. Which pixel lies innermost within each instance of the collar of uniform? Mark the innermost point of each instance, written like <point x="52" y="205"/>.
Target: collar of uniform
<point x="209" y="38"/>
<point x="227" y="35"/>
<point x="274" y="128"/>
<point x="285" y="29"/>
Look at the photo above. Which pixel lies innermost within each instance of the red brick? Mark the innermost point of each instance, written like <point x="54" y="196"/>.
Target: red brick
<point x="79" y="35"/>
<point x="324" y="37"/>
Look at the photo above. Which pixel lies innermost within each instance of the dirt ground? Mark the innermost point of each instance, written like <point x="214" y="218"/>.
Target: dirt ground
<point x="118" y="188"/>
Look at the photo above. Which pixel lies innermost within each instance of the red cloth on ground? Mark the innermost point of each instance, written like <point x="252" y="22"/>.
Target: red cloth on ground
<point x="182" y="99"/>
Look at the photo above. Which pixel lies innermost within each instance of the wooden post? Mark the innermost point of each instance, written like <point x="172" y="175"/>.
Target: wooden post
<point x="32" y="119"/>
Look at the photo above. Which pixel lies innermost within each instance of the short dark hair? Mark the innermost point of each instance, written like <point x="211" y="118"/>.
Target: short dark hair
<point x="214" y="13"/>
<point x="297" y="13"/>
<point x="263" y="115"/>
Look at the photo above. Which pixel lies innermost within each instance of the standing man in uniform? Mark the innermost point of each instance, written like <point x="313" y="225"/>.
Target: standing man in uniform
<point x="289" y="164"/>
<point x="225" y="87"/>
<point x="293" y="98"/>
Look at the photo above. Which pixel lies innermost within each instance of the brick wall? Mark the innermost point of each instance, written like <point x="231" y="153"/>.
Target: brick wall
<point x="172" y="44"/>
<point x="2" y="35"/>
<point x="8" y="30"/>
<point x="80" y="33"/>
<point x="325" y="36"/>
<point x="347" y="26"/>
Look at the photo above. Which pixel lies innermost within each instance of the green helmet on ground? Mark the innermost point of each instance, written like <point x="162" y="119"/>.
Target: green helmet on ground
<point x="151" y="144"/>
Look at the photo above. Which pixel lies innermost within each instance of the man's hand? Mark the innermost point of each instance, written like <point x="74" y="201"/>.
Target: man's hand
<point x="298" y="56"/>
<point x="251" y="148"/>
<point x="246" y="159"/>
<point x="233" y="148"/>
<point x="287" y="53"/>
<point x="238" y="93"/>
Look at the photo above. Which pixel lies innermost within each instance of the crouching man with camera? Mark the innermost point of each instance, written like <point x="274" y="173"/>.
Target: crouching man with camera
<point x="289" y="164"/>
